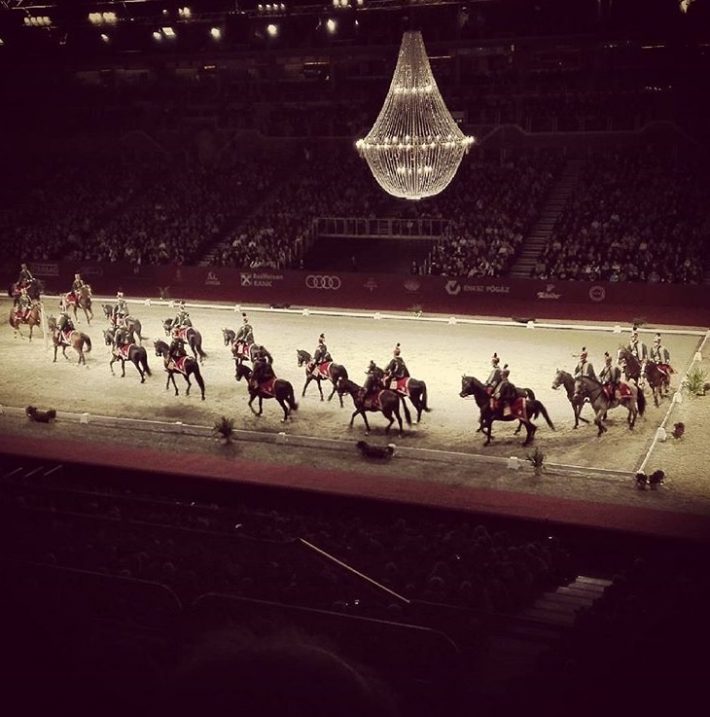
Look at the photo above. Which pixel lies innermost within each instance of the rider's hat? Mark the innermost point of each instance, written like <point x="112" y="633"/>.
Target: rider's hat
<point x="77" y="275"/>
<point x="607" y="357"/>
<point x="657" y="340"/>
<point x="505" y="372"/>
<point x="584" y="354"/>
<point x="396" y="350"/>
<point x="119" y="294"/>
<point x="245" y="318"/>
<point x="495" y="360"/>
<point x="321" y="339"/>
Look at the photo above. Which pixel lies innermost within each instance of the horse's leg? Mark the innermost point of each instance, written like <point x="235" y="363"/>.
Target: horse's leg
<point x="136" y="363"/>
<point x="251" y="400"/>
<point x="530" y="427"/>
<point x="189" y="384"/>
<point x="320" y="390"/>
<point x="352" y="418"/>
<point x="284" y="408"/>
<point x="110" y="365"/>
<point x="309" y="378"/>
<point x="123" y="369"/>
<point x="171" y="376"/>
<point x="487" y="428"/>
<point x="332" y="393"/>
<point x="390" y="414"/>
<point x="64" y="352"/>
<point x="55" y="351"/>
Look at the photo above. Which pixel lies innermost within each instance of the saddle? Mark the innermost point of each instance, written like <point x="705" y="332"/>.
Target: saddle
<point x="65" y="336"/>
<point x="180" y="333"/>
<point x="322" y="369"/>
<point x="177" y="364"/>
<point x="400" y="385"/>
<point x="372" y="402"/>
<point x="516" y="408"/>
<point x="267" y="387"/>
<point x="123" y="351"/>
<point x="622" y="392"/>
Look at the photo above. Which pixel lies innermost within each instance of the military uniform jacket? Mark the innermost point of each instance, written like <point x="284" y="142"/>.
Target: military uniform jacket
<point x="77" y="285"/>
<point x="584" y="368"/>
<point x="493" y="378"/>
<point x="660" y="354"/>
<point x="321" y="354"/>
<point x="639" y="350"/>
<point x="610" y="374"/>
<point x="24" y="302"/>
<point x="397" y="368"/>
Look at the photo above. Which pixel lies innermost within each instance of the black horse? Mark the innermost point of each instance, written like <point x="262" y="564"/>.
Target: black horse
<point x="185" y="365"/>
<point x="277" y="388"/>
<point x="411" y="388"/>
<point x="328" y="371"/>
<point x="130" y="323"/>
<point x="523" y="409"/>
<point x="382" y="400"/>
<point x="128" y="351"/>
<point x="189" y="335"/>
<point x="565" y="379"/>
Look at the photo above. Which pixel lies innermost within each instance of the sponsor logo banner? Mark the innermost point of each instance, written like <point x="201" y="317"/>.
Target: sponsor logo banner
<point x="412" y="285"/>
<point x="259" y="279"/>
<point x="548" y="293"/>
<point x="453" y="288"/>
<point x="44" y="269"/>
<point x="212" y="279"/>
<point x="597" y="293"/>
<point x="323" y="282"/>
<point x="370" y="285"/>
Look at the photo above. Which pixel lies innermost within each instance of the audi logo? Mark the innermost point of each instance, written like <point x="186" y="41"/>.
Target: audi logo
<point x="330" y="283"/>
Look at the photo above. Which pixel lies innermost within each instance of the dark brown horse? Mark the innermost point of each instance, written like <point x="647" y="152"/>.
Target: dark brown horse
<point x="33" y="318"/>
<point x="61" y="337"/>
<point x="566" y="380"/>
<point x="630" y="365"/>
<point x="242" y="351"/>
<point x="273" y="387"/>
<point x="328" y="371"/>
<point x="658" y="377"/>
<point x="34" y="290"/>
<point x="382" y="401"/>
<point x="125" y="349"/>
<point x="82" y="301"/>
<point x="522" y="409"/>
<point x="411" y="388"/>
<point x="632" y="399"/>
<point x="189" y="335"/>
<point x="184" y="365"/>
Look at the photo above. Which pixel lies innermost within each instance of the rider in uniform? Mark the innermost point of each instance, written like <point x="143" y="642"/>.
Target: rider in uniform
<point x="65" y="324"/>
<point x="245" y="334"/>
<point x="610" y="377"/>
<point x="176" y="350"/>
<point x="637" y="347"/>
<point x="120" y="310"/>
<point x="373" y="382"/>
<point x="321" y="354"/>
<point x="76" y="287"/>
<point x="505" y="392"/>
<point x="584" y="367"/>
<point x="25" y="276"/>
<point x="263" y="370"/>
<point x="396" y="369"/>
<point x="182" y="319"/>
<point x="661" y="356"/>
<point x="24" y="304"/>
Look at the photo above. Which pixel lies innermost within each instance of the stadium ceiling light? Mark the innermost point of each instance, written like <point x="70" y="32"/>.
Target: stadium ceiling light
<point x="185" y="13"/>
<point x="104" y="37"/>
<point x="2" y="42"/>
<point x="168" y="32"/>
<point x="415" y="146"/>
<point x="272" y="30"/>
<point x="216" y="33"/>
<point x="157" y="36"/>
<point x="331" y="25"/>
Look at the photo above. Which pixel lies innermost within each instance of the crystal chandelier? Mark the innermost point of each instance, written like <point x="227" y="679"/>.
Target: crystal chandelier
<point x="415" y="146"/>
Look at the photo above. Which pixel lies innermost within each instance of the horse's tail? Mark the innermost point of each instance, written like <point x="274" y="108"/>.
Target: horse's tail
<point x="531" y="395"/>
<point x="424" y="398"/>
<point x="291" y="399"/>
<point x="641" y="402"/>
<point x="87" y="341"/>
<point x="407" y="414"/>
<point x="539" y="408"/>
<point x="198" y="377"/>
<point x="198" y="348"/>
<point x="144" y="362"/>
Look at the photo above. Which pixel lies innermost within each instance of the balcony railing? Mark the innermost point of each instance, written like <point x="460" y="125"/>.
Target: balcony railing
<point x="385" y="228"/>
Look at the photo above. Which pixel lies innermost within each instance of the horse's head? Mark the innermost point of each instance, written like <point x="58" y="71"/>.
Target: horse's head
<point x="107" y="309"/>
<point x="108" y="336"/>
<point x="471" y="386"/>
<point x="228" y="336"/>
<point x="303" y="357"/>
<point x="167" y="325"/>
<point x="242" y="371"/>
<point x="161" y="348"/>
<point x="51" y="323"/>
<point x="557" y="381"/>
<point x="374" y="370"/>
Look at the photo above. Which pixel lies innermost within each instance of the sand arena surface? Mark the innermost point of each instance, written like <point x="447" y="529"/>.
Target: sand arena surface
<point x="437" y="353"/>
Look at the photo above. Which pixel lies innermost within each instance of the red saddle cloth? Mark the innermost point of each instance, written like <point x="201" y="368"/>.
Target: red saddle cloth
<point x="177" y="364"/>
<point x="242" y="349"/>
<point x="517" y="408"/>
<point x="180" y="333"/>
<point x="623" y="391"/>
<point x="267" y="387"/>
<point x="123" y="351"/>
<point x="70" y="298"/>
<point x="322" y="369"/>
<point x="401" y="385"/>
<point x="66" y="335"/>
<point x="372" y="402"/>
<point x="665" y="368"/>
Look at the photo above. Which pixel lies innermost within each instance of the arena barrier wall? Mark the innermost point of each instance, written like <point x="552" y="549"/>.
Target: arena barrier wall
<point x="524" y="299"/>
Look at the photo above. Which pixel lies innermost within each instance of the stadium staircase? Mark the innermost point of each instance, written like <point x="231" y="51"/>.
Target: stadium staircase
<point x="542" y="229"/>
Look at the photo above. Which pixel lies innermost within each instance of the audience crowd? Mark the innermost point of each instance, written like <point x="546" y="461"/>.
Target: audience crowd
<point x="635" y="216"/>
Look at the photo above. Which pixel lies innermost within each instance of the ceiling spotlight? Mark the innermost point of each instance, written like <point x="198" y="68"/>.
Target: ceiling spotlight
<point x="331" y="25"/>
<point x="168" y="32"/>
<point x="2" y="42"/>
<point x="216" y="33"/>
<point x="157" y="36"/>
<point x="104" y="37"/>
<point x="185" y="12"/>
<point x="272" y="30"/>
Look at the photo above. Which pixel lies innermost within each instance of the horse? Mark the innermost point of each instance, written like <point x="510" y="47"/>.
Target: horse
<point x="130" y="351"/>
<point x="384" y="401"/>
<point x="83" y="301"/>
<point x="328" y="371"/>
<point x="411" y="388"/>
<point x="658" y="377"/>
<point x="524" y="409"/>
<point x="241" y="350"/>
<point x="185" y="365"/>
<point x="563" y="378"/>
<point x="631" y="366"/>
<point x="33" y="318"/>
<point x="189" y="335"/>
<point x="132" y="325"/>
<point x="632" y="399"/>
<point x="75" y="339"/>
<point x="277" y="388"/>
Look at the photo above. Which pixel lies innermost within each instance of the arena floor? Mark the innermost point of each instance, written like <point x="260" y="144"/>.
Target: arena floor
<point x="437" y="352"/>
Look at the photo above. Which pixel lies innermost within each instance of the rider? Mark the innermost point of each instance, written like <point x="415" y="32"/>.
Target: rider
<point x="176" y="350"/>
<point x="373" y="382"/>
<point x="25" y="276"/>
<point x="505" y="392"/>
<point x="584" y="367"/>
<point x="76" y="287"/>
<point x="321" y="355"/>
<point x="120" y="310"/>
<point x="182" y="319"/>
<point x="494" y="376"/>
<point x="24" y="304"/>
<point x="263" y="370"/>
<point x="636" y="347"/>
<point x="65" y="324"/>
<point x="396" y="368"/>
<point x="610" y="377"/>
<point x="659" y="353"/>
<point x="245" y="334"/>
